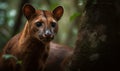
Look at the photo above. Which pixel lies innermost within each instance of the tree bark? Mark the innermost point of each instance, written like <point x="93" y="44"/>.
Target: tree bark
<point x="98" y="44"/>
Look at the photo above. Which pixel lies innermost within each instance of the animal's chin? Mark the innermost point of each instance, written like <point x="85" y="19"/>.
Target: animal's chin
<point x="46" y="39"/>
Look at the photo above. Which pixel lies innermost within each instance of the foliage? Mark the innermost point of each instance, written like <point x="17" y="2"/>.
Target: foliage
<point x="8" y="56"/>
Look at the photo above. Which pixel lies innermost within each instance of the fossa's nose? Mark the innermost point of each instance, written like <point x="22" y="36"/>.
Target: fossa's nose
<point x="48" y="33"/>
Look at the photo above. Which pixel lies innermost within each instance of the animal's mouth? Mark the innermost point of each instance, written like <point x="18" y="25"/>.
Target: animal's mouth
<point x="46" y="38"/>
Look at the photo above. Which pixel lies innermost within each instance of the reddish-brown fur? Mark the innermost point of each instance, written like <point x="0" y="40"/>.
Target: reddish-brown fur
<point x="32" y="46"/>
<point x="56" y="60"/>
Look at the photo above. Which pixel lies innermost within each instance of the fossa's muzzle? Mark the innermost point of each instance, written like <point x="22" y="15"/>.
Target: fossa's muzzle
<point x="47" y="36"/>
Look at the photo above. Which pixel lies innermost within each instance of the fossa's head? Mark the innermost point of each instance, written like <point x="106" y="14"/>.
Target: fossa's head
<point x="42" y="24"/>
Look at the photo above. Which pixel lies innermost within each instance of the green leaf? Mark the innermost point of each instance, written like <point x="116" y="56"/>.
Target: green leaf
<point x="8" y="56"/>
<point x="19" y="62"/>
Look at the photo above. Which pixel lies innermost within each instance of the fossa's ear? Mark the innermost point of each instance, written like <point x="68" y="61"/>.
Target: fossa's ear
<point x="28" y="10"/>
<point x="58" y="12"/>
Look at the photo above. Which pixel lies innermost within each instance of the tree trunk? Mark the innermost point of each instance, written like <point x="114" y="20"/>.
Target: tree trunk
<point x="18" y="21"/>
<point x="98" y="44"/>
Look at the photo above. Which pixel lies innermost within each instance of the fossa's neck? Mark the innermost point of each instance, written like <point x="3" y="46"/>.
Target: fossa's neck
<point x="33" y="52"/>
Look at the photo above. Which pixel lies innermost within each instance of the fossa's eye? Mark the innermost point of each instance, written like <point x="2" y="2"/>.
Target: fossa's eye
<point x="39" y="24"/>
<point x="53" y="24"/>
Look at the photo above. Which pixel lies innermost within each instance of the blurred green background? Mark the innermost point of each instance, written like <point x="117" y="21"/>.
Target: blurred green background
<point x="12" y="20"/>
